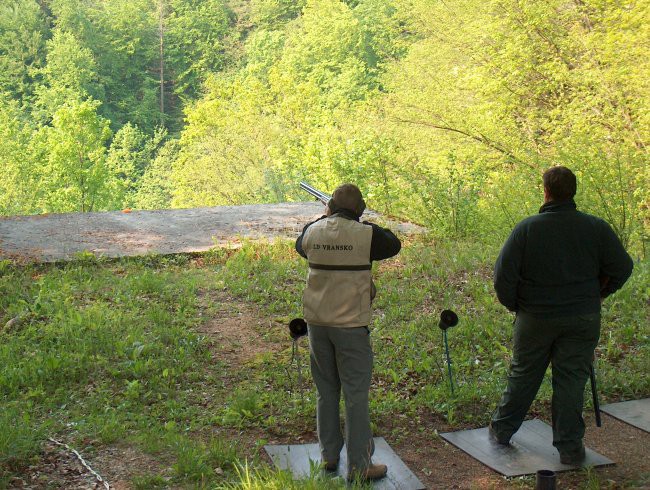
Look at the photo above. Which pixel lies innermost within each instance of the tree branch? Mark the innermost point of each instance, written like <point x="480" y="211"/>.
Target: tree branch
<point x="481" y="138"/>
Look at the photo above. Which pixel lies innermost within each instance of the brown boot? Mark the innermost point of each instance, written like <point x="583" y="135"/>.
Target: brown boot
<point x="373" y="472"/>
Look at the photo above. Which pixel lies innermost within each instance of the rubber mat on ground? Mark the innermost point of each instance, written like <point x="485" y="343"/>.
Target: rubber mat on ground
<point x="531" y="449"/>
<point x="633" y="412"/>
<point x="304" y="459"/>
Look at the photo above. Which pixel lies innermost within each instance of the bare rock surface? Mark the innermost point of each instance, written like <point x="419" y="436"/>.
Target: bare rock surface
<point x="58" y="237"/>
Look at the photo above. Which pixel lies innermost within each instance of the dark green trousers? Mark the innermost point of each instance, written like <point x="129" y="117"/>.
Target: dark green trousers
<point x="341" y="360"/>
<point x="566" y="343"/>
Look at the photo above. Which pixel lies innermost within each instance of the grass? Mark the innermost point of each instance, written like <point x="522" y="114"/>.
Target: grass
<point x="108" y="353"/>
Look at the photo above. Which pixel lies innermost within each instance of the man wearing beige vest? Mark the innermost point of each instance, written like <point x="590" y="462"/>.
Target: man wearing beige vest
<point x="337" y="309"/>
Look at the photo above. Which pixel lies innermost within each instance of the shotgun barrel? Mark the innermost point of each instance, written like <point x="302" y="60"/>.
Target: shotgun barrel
<point x="321" y="196"/>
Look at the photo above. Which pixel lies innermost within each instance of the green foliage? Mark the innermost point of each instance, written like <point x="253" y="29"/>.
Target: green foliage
<point x="97" y="345"/>
<point x="23" y="31"/>
<point x="19" y="172"/>
<point x="262" y="479"/>
<point x="446" y="113"/>
<point x="275" y="117"/>
<point x="382" y="24"/>
<point x="323" y="58"/>
<point x="278" y="272"/>
<point x="145" y="482"/>
<point x="155" y="188"/>
<point x="263" y="50"/>
<point x="64" y="53"/>
<point x="243" y="408"/>
<point x="194" y="42"/>
<point x="225" y="149"/>
<point x="123" y="37"/>
<point x="518" y="86"/>
<point x="69" y="76"/>
<point x="129" y="156"/>
<point x="271" y="14"/>
<point x="77" y="175"/>
<point x="20" y="437"/>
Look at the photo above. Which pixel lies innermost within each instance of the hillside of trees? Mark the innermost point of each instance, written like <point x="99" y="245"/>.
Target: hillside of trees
<point x="444" y="113"/>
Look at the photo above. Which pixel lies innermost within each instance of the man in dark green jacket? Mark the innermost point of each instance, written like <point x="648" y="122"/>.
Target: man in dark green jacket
<point x="554" y="271"/>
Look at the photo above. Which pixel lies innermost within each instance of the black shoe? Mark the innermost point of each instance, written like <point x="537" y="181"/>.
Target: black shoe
<point x="495" y="438"/>
<point x="330" y="465"/>
<point x="573" y="458"/>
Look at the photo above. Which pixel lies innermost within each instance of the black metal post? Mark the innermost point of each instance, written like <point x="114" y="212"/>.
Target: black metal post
<point x="546" y="480"/>
<point x="594" y="394"/>
<point x="451" y="379"/>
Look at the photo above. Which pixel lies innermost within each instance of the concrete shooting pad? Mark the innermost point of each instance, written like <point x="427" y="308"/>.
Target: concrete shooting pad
<point x="58" y="237"/>
<point x="531" y="449"/>
<point x="633" y="412"/>
<point x="301" y="458"/>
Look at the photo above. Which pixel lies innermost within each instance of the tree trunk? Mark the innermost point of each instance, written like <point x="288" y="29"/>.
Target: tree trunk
<point x="161" y="33"/>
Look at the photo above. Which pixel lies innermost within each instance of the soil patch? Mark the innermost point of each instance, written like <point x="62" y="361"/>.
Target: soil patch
<point x="120" y="464"/>
<point x="59" y="468"/>
<point x="238" y="331"/>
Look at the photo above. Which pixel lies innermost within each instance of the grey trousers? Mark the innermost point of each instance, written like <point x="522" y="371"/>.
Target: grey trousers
<point x="342" y="358"/>
<point x="567" y="343"/>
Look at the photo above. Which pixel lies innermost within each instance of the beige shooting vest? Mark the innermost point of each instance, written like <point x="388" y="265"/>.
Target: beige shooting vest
<point x="339" y="283"/>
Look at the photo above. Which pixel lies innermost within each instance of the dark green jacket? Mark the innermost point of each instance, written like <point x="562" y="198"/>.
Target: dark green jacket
<point x="560" y="262"/>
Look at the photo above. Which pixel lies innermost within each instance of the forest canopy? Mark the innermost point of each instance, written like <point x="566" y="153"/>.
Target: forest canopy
<point x="444" y="113"/>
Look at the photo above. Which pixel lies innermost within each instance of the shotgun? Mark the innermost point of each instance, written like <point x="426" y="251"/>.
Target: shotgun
<point x="321" y="196"/>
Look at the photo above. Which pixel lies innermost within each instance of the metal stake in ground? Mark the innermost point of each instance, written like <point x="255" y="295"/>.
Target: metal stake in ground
<point x="297" y="329"/>
<point x="448" y="319"/>
<point x="594" y="393"/>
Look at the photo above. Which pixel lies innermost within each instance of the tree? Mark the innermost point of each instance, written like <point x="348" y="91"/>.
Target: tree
<point x="194" y="47"/>
<point x="226" y="149"/>
<point x="520" y="85"/>
<point x="255" y="133"/>
<point x="130" y="153"/>
<point x="125" y="42"/>
<point x="69" y="75"/>
<point x="78" y="178"/>
<point x="272" y="14"/>
<point x="20" y="182"/>
<point x="23" y="31"/>
<point x="156" y="187"/>
<point x="327" y="59"/>
<point x="121" y="37"/>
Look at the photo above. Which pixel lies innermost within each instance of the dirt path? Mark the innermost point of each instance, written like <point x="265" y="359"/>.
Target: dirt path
<point x="235" y="330"/>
